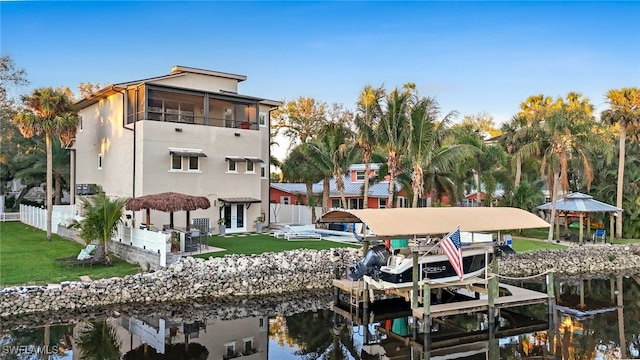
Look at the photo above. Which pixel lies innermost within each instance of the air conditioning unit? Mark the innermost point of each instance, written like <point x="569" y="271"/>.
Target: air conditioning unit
<point x="87" y="189"/>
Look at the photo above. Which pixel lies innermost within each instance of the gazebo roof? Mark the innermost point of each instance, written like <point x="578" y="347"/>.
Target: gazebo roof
<point x="580" y="203"/>
<point x="168" y="202"/>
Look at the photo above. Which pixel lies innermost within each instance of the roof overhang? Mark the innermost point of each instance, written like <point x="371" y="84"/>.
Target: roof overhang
<point x="255" y="160"/>
<point x="409" y="222"/>
<point x="240" y="200"/>
<point x="235" y="158"/>
<point x="188" y="153"/>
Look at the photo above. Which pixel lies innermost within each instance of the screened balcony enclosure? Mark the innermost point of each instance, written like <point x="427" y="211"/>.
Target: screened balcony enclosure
<point x="182" y="106"/>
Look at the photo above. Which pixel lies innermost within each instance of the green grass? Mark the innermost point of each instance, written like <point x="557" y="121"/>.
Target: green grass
<point x="261" y="243"/>
<point x="26" y="257"/>
<point x="520" y="245"/>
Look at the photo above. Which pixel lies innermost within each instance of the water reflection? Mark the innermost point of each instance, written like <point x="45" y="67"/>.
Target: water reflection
<point x="600" y="319"/>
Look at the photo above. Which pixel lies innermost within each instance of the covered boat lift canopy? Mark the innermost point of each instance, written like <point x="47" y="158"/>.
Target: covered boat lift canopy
<point x="420" y="222"/>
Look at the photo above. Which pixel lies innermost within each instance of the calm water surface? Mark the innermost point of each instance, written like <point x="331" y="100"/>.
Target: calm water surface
<point x="590" y="325"/>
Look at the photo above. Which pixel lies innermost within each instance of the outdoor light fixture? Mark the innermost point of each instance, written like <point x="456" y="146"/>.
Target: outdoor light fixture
<point x="236" y="134"/>
<point x="178" y="130"/>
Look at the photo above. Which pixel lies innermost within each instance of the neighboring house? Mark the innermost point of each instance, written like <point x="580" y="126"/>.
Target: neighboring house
<point x="187" y="132"/>
<point x="296" y="193"/>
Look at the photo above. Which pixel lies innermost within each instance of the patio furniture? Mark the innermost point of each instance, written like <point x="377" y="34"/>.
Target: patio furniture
<point x="84" y="254"/>
<point x="96" y="258"/>
<point x="600" y="234"/>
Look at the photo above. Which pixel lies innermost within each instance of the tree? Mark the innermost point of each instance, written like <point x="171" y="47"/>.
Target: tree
<point x="625" y="112"/>
<point x="298" y="168"/>
<point x="483" y="122"/>
<point x="51" y="113"/>
<point x="299" y="119"/>
<point x="101" y="219"/>
<point x="99" y="341"/>
<point x="366" y="122"/>
<point x="394" y="133"/>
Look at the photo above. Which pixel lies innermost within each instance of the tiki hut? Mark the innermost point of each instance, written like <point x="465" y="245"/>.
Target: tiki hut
<point x="168" y="202"/>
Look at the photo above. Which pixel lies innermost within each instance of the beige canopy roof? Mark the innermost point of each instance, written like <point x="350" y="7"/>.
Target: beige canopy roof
<point x="436" y="220"/>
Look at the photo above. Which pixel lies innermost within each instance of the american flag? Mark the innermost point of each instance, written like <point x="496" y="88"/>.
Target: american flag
<point x="450" y="245"/>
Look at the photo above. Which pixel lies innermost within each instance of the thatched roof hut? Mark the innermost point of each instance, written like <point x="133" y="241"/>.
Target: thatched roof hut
<point x="168" y="202"/>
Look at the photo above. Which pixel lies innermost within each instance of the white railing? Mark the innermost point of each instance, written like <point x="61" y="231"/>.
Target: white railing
<point x="144" y="239"/>
<point x="9" y="216"/>
<point x="292" y="214"/>
<point x="37" y="217"/>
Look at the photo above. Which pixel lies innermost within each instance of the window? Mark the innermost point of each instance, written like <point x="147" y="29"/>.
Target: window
<point x="194" y="163"/>
<point x="262" y="119"/>
<point x="99" y="161"/>
<point x="286" y="200"/>
<point x="250" y="167"/>
<point x="356" y="203"/>
<point x="263" y="171"/>
<point x="360" y="175"/>
<point x="382" y="203"/>
<point x="176" y="162"/>
<point x="248" y="346"/>
<point x="231" y="166"/>
<point x="402" y="202"/>
<point x="231" y="349"/>
<point x="335" y="203"/>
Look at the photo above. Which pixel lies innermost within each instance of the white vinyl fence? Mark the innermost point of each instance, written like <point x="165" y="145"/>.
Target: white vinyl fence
<point x="144" y="239"/>
<point x="37" y="217"/>
<point x="292" y="214"/>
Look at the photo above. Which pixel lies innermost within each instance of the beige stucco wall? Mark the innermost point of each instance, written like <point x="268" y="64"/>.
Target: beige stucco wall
<point x="103" y="133"/>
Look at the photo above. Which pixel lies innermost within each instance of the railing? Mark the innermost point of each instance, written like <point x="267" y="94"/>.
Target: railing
<point x="199" y="120"/>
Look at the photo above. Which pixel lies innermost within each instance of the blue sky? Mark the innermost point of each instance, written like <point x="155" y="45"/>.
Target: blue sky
<point x="470" y="56"/>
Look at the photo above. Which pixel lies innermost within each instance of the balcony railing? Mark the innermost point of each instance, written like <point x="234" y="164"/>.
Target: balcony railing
<point x="193" y="119"/>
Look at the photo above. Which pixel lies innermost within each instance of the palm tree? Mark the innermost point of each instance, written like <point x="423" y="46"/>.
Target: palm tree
<point x="332" y="153"/>
<point x="99" y="341"/>
<point x="624" y="111"/>
<point x="102" y="216"/>
<point x="486" y="161"/>
<point x="51" y="113"/>
<point x="509" y="143"/>
<point x="368" y="118"/>
<point x="298" y="168"/>
<point x="562" y="137"/>
<point x="394" y="133"/>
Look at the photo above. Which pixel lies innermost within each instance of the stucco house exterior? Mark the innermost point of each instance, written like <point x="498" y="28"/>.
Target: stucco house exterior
<point x="190" y="132"/>
<point x="296" y="193"/>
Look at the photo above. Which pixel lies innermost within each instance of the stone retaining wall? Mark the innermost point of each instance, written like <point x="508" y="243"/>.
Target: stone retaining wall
<point x="278" y="273"/>
<point x="147" y="259"/>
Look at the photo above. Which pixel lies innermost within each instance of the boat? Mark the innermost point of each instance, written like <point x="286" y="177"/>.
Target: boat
<point x="386" y="267"/>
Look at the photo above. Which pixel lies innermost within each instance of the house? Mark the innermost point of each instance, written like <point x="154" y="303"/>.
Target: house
<point x="296" y="193"/>
<point x="190" y="132"/>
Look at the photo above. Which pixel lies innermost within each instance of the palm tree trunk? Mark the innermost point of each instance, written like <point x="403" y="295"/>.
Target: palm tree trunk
<point x="554" y="191"/>
<point x="518" y="172"/>
<point x="478" y="197"/>
<point x="325" y="194"/>
<point x="49" y="191"/>
<point x="392" y="164"/>
<point x="340" y="186"/>
<point x="366" y="156"/>
<point x="57" y="182"/>
<point x="621" y="159"/>
<point x="417" y="184"/>
<point x="309" y="187"/>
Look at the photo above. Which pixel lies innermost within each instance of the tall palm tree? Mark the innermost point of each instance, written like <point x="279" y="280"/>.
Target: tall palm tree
<point x="99" y="341"/>
<point x="298" y="168"/>
<point x="624" y="111"/>
<point x="51" y="113"/>
<point x="509" y="143"/>
<point x="332" y="153"/>
<point x="394" y="133"/>
<point x="562" y="137"/>
<point x="486" y="161"/>
<point x="366" y="121"/>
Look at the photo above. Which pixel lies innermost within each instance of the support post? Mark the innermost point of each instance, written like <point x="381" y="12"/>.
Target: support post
<point x="623" y="340"/>
<point x="415" y="275"/>
<point x="611" y="222"/>
<point x="365" y="312"/>
<point x="493" y="295"/>
<point x="551" y="296"/>
<point x="426" y="317"/>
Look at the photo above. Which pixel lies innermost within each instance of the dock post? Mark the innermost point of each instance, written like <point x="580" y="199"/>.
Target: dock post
<point x="426" y="317"/>
<point x="620" y="303"/>
<point x="493" y="294"/>
<point x="365" y="312"/>
<point x="415" y="274"/>
<point x="551" y="295"/>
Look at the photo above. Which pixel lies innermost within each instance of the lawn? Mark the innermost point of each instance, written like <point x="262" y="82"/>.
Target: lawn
<point x="26" y="257"/>
<point x="520" y="245"/>
<point x="261" y="243"/>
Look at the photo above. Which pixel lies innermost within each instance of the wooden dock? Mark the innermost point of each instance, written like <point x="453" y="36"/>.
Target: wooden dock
<point x="510" y="296"/>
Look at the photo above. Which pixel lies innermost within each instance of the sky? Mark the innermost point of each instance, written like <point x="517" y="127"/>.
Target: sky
<point x="470" y="56"/>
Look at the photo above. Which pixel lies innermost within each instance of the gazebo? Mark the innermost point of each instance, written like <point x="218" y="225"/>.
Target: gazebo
<point x="583" y="205"/>
<point x="168" y="202"/>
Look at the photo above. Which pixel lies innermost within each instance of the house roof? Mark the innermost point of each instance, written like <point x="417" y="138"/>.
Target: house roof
<point x="407" y="222"/>
<point x="380" y="189"/>
<point x="579" y="202"/>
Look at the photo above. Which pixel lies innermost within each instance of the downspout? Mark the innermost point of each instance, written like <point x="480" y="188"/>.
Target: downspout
<point x="133" y="167"/>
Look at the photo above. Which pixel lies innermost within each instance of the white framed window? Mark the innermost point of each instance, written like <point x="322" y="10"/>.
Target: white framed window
<point x="250" y="167"/>
<point x="230" y="349"/>
<point x="382" y="203"/>
<point x="360" y="175"/>
<point x="335" y="203"/>
<point x="402" y="202"/>
<point x="263" y="171"/>
<point x="248" y="346"/>
<point x="231" y="166"/>
<point x="286" y="200"/>
<point x="176" y="162"/>
<point x="99" y="161"/>
<point x="356" y="203"/>
<point x="262" y="119"/>
<point x="194" y="163"/>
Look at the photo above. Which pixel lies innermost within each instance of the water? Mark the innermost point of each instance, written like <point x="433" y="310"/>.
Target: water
<point x="303" y="326"/>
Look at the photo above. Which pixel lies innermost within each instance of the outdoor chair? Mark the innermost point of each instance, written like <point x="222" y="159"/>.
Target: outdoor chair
<point x="600" y="234"/>
<point x="96" y="258"/>
<point x="84" y="254"/>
